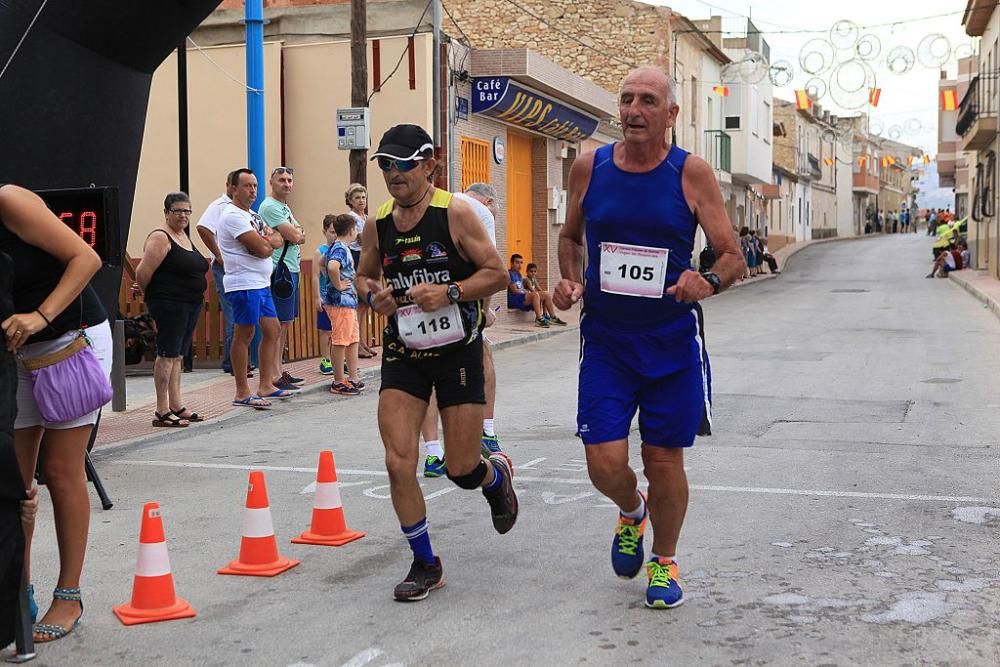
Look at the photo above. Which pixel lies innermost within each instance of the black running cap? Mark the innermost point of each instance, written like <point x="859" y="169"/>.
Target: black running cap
<point x="405" y="142"/>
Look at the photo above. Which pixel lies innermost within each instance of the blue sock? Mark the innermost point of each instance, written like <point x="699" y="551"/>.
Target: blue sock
<point x="495" y="484"/>
<point x="420" y="541"/>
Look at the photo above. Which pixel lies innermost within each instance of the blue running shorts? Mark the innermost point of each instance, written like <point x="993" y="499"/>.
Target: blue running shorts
<point x="249" y="305"/>
<point x="662" y="372"/>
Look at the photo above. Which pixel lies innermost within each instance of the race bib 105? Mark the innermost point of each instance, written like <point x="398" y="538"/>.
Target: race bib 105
<point x="633" y="270"/>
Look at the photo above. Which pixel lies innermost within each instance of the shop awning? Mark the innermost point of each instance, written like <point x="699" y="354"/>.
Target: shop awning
<point x="525" y="89"/>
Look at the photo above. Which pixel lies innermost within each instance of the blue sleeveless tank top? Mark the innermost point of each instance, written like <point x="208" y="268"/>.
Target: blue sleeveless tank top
<point x="646" y="209"/>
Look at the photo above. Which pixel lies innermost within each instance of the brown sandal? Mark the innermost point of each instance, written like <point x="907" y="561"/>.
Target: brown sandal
<point x="169" y="420"/>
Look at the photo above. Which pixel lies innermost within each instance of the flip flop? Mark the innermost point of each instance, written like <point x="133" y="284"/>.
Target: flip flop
<point x="279" y="394"/>
<point x="253" y="402"/>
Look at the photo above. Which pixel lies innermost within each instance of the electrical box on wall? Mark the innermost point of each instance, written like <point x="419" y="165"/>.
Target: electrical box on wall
<point x="557" y="203"/>
<point x="353" y="129"/>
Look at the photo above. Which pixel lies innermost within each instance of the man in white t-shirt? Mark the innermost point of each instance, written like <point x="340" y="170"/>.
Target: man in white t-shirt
<point x="208" y="227"/>
<point x="482" y="197"/>
<point x="246" y="244"/>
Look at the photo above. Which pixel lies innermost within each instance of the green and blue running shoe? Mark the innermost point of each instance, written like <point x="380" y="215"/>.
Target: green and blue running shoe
<point x="491" y="445"/>
<point x="627" y="554"/>
<point x="434" y="467"/>
<point x="325" y="367"/>
<point x="664" y="589"/>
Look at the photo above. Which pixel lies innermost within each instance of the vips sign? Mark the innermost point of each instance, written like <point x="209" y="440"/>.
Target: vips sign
<point x="506" y="100"/>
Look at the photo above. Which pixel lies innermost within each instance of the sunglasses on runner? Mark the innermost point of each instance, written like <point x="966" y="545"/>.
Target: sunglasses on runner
<point x="403" y="166"/>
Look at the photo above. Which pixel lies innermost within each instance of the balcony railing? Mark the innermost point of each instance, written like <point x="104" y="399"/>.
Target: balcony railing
<point x="719" y="149"/>
<point x="977" y="113"/>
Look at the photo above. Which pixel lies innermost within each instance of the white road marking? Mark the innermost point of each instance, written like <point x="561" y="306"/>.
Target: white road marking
<point x="586" y="482"/>
<point x="311" y="486"/>
<point x="447" y="489"/>
<point x="550" y="498"/>
<point x="364" y="657"/>
<point x="530" y="464"/>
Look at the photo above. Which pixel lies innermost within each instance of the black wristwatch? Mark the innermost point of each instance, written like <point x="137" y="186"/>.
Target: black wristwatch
<point x="454" y="292"/>
<point x="713" y="280"/>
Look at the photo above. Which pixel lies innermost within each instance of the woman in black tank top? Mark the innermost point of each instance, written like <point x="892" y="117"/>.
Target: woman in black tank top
<point x="51" y="301"/>
<point x="172" y="277"/>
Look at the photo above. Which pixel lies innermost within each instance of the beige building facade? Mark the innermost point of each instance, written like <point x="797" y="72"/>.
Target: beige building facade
<point x="976" y="127"/>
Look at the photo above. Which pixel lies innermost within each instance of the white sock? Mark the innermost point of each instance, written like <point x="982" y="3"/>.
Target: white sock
<point x="670" y="558"/>
<point x="637" y="513"/>
<point x="434" y="448"/>
<point x="488" y="427"/>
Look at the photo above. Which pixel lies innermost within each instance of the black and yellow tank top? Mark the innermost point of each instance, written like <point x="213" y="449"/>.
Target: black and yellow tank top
<point x="424" y="254"/>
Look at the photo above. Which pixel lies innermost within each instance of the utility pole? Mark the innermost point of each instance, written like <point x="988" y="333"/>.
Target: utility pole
<point x="254" y="19"/>
<point x="359" y="81"/>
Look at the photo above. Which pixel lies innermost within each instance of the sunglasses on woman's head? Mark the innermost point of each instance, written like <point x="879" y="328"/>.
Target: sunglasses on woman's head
<point x="403" y="166"/>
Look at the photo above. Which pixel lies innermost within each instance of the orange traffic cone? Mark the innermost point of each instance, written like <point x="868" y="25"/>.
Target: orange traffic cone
<point x="328" y="525"/>
<point x="258" y="548"/>
<point x="153" y="597"/>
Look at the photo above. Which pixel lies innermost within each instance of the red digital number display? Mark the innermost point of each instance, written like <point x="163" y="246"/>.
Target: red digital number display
<point x="92" y="214"/>
<point x="84" y="223"/>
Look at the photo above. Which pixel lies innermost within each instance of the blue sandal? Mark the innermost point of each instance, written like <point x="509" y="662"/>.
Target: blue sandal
<point x="50" y="632"/>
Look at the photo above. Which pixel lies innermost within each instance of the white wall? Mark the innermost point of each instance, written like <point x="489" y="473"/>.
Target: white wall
<point x="845" y="194"/>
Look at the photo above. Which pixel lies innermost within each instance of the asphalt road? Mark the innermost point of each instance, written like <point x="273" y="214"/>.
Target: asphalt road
<point x="846" y="511"/>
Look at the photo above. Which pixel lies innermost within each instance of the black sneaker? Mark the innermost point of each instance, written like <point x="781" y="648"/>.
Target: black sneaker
<point x="288" y="378"/>
<point x="420" y="581"/>
<point x="503" y="501"/>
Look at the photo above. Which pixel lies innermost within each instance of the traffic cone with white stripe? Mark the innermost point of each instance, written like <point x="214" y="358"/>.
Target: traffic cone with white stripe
<point x="329" y="528"/>
<point x="153" y="597"/>
<point x="259" y="548"/>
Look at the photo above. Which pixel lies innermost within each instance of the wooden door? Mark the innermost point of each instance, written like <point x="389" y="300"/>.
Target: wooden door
<point x="519" y="210"/>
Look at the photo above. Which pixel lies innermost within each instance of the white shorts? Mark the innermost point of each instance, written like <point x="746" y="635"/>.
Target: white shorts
<point x="27" y="410"/>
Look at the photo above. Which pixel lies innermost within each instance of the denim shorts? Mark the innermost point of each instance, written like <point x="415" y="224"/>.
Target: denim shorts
<point x="288" y="309"/>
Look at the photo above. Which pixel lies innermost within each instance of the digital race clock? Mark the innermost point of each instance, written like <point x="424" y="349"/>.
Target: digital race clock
<point x="92" y="213"/>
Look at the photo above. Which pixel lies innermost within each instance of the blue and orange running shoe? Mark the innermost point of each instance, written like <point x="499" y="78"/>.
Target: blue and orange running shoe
<point x="664" y="589"/>
<point x="627" y="554"/>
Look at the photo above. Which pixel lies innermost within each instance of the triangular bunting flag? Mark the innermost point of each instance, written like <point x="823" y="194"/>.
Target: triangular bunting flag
<point x="873" y="96"/>
<point x="721" y="90"/>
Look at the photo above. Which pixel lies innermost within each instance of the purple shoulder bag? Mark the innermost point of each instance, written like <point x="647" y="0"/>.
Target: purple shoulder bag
<point x="68" y="383"/>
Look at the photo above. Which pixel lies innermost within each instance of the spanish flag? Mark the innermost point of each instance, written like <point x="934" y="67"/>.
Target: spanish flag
<point x="909" y="161"/>
<point x="828" y="161"/>
<point x="927" y="158"/>
<point x="862" y="161"/>
<point x="949" y="99"/>
<point x="873" y="95"/>
<point x="802" y="100"/>
<point x="721" y="90"/>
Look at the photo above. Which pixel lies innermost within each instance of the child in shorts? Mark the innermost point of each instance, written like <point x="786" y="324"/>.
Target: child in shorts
<point x="319" y="288"/>
<point x="340" y="304"/>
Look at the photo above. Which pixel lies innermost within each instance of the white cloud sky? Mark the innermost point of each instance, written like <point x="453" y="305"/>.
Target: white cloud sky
<point x="913" y="95"/>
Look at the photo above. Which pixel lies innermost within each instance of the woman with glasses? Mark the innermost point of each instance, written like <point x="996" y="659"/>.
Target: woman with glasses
<point x="357" y="204"/>
<point x="172" y="276"/>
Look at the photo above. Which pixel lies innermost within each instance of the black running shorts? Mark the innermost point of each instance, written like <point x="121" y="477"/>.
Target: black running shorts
<point x="457" y="376"/>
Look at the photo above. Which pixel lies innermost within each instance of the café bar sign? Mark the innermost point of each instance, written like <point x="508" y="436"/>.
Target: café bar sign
<point x="501" y="98"/>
